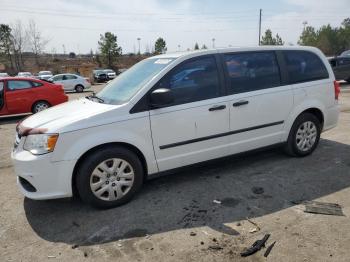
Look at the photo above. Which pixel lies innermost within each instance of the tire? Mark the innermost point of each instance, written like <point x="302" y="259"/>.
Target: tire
<point x="79" y="88"/>
<point x="103" y="190"/>
<point x="40" y="106"/>
<point x="306" y="127"/>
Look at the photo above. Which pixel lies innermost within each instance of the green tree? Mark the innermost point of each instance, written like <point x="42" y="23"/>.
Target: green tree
<point x="196" y="47"/>
<point x="160" y="46"/>
<point x="331" y="40"/>
<point x="109" y="48"/>
<point x="204" y="47"/>
<point x="269" y="39"/>
<point x="308" y="36"/>
<point x="6" y="42"/>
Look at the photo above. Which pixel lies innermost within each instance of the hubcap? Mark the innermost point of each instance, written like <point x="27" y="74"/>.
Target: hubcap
<point x="41" y="106"/>
<point x="306" y="136"/>
<point x="112" y="179"/>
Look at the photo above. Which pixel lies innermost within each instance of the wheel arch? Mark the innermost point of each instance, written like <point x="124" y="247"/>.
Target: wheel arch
<point x="313" y="107"/>
<point x="128" y="146"/>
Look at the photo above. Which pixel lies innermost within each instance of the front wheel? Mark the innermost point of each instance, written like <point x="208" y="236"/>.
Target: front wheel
<point x="109" y="177"/>
<point x="79" y="89"/>
<point x="40" y="106"/>
<point x="304" y="135"/>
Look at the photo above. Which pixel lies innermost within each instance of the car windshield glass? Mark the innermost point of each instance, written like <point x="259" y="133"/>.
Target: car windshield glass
<point x="126" y="85"/>
<point x="345" y="53"/>
<point x="109" y="71"/>
<point x="45" y="73"/>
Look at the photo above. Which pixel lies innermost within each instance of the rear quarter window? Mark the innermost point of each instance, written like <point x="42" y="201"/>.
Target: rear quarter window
<point x="304" y="66"/>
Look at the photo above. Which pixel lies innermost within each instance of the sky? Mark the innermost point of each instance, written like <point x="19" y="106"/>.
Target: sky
<point x="75" y="26"/>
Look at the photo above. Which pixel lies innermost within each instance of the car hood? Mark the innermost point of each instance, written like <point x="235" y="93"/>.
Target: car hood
<point x="71" y="116"/>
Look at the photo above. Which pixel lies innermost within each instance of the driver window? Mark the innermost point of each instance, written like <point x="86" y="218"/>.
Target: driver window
<point x="1" y="94"/>
<point x="193" y="80"/>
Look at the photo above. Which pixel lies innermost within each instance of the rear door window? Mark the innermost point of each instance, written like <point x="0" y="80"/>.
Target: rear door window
<point x="70" y="77"/>
<point x="18" y="85"/>
<point x="250" y="71"/>
<point x="304" y="66"/>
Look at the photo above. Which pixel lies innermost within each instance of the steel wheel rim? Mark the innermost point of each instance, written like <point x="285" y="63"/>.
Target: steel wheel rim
<point x="40" y="107"/>
<point x="306" y="136"/>
<point x="112" y="179"/>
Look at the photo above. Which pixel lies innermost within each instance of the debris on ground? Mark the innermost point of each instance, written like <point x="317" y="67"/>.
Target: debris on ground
<point x="257" y="245"/>
<point x="75" y="246"/>
<point x="216" y="201"/>
<point x="253" y="230"/>
<point x="238" y="224"/>
<point x="258" y="190"/>
<point x="216" y="247"/>
<point x="51" y="256"/>
<point x="205" y="232"/>
<point x="192" y="234"/>
<point x="256" y="229"/>
<point x="268" y="250"/>
<point x="323" y="208"/>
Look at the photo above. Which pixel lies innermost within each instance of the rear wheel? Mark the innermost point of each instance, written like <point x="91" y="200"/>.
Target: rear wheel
<point x="109" y="177"/>
<point x="79" y="89"/>
<point x="40" y="106"/>
<point x="304" y="135"/>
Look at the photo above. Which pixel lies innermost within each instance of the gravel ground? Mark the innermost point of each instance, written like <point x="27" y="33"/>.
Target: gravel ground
<point x="174" y="218"/>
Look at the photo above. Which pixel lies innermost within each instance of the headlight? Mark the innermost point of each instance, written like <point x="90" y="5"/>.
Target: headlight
<point x="39" y="144"/>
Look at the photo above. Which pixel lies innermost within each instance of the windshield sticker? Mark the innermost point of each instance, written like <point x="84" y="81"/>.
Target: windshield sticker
<point x="162" y="61"/>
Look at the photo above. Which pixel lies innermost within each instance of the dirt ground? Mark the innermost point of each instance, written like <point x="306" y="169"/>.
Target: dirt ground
<point x="174" y="217"/>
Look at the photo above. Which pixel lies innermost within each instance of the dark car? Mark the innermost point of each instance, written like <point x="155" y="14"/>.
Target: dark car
<point x="100" y="76"/>
<point x="341" y="67"/>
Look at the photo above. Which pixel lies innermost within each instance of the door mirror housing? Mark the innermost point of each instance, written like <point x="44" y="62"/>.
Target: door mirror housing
<point x="161" y="97"/>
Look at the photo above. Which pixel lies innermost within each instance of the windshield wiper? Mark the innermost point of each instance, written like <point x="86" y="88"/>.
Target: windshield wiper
<point x="93" y="96"/>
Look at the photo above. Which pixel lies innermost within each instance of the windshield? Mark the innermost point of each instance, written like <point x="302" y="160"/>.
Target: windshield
<point x="345" y="53"/>
<point x="126" y="85"/>
<point x="45" y="73"/>
<point x="109" y="71"/>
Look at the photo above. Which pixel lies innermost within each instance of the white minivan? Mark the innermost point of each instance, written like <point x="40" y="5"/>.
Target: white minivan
<point x="174" y="110"/>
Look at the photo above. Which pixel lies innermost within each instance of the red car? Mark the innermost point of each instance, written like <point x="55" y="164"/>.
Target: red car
<point x="23" y="95"/>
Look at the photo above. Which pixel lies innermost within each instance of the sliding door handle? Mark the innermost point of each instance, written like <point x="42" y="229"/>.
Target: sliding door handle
<point x="214" y="108"/>
<point x="241" y="103"/>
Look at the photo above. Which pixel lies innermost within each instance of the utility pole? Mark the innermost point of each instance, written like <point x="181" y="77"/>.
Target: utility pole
<point x="64" y="49"/>
<point x="260" y="26"/>
<point x="213" y="42"/>
<point x="139" y="40"/>
<point x="305" y="24"/>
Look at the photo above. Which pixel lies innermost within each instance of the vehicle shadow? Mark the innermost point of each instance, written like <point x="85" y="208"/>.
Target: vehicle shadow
<point x="12" y="119"/>
<point x="185" y="199"/>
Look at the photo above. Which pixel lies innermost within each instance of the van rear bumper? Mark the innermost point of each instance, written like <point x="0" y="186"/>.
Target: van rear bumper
<point x="331" y="117"/>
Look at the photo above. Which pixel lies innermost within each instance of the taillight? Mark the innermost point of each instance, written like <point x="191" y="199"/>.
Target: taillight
<point x="336" y="90"/>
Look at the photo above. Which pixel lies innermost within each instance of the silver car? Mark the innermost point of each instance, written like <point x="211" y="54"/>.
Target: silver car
<point x="24" y="74"/>
<point x="71" y="82"/>
<point x="44" y="75"/>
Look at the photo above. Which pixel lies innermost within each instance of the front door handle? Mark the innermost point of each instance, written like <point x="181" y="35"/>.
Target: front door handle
<point x="241" y="103"/>
<point x="214" y="108"/>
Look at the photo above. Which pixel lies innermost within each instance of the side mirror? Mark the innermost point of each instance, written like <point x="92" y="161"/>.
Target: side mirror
<point x="161" y="97"/>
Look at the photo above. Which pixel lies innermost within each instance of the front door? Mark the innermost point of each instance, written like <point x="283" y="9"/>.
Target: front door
<point x="3" y="110"/>
<point x="259" y="103"/>
<point x="195" y="127"/>
<point x="19" y="96"/>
